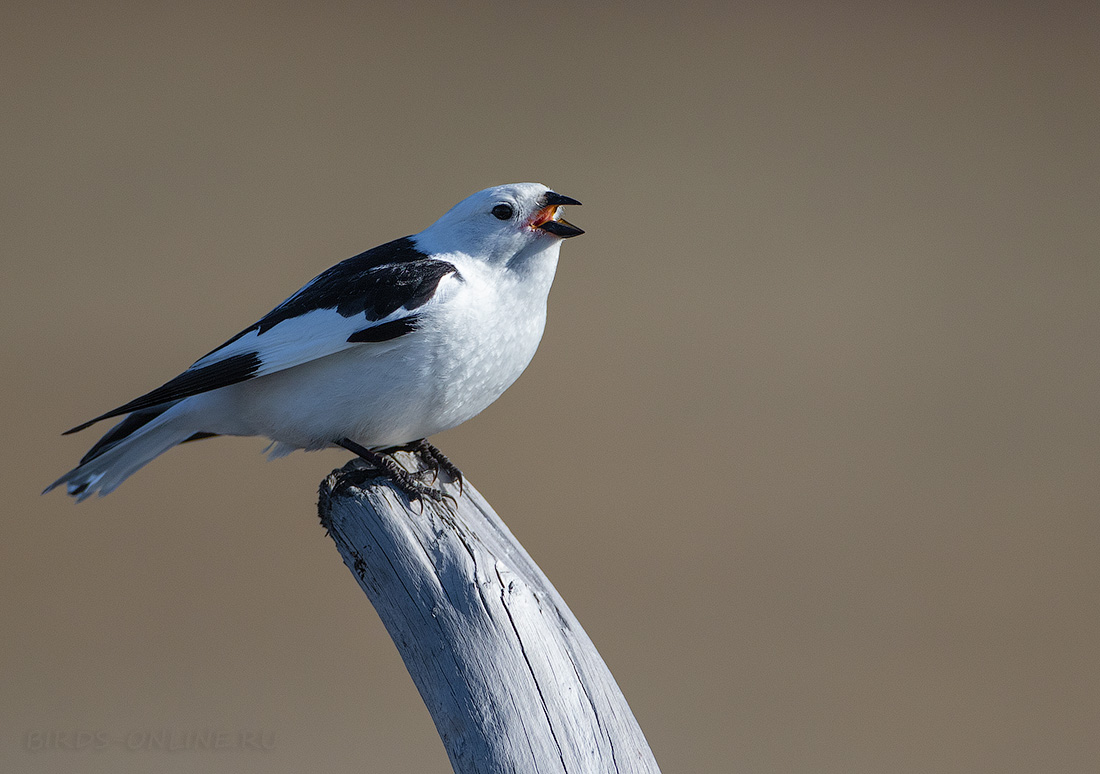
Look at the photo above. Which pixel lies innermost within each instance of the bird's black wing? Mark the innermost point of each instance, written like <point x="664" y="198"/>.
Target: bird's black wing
<point x="373" y="297"/>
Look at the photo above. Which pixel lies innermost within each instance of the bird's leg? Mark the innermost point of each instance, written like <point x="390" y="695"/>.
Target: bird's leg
<point x="412" y="488"/>
<point x="438" y="459"/>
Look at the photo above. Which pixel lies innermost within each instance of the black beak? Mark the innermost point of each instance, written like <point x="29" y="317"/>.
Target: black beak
<point x="561" y="228"/>
<point x="550" y="199"/>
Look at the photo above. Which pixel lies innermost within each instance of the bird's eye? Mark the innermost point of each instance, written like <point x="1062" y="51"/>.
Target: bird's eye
<point x="503" y="211"/>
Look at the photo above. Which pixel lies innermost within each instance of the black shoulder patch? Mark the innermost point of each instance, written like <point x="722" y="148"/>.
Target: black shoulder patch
<point x="385" y="331"/>
<point x="233" y="369"/>
<point x="376" y="283"/>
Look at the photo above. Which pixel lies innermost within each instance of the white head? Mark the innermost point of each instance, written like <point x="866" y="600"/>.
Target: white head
<point x="501" y="224"/>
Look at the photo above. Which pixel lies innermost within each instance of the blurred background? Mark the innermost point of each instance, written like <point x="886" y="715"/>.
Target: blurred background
<point x="810" y="445"/>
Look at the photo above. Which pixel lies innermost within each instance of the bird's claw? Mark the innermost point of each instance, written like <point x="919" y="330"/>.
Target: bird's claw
<point x="437" y="460"/>
<point x="405" y="482"/>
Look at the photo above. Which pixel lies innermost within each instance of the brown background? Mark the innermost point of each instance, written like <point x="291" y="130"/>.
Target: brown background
<point x="810" y="446"/>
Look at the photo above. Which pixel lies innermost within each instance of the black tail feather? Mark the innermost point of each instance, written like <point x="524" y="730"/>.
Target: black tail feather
<point x="123" y="429"/>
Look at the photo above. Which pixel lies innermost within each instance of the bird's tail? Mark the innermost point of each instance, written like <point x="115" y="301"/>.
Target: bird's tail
<point x="126" y="447"/>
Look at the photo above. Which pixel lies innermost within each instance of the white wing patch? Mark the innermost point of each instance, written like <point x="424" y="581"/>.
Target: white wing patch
<point x="317" y="334"/>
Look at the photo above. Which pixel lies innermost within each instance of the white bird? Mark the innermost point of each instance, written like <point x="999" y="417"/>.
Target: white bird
<point x="378" y="352"/>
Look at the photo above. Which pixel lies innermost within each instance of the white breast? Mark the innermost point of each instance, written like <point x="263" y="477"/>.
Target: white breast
<point x="499" y="323"/>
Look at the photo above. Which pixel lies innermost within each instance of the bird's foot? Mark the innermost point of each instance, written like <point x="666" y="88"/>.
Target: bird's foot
<point x="402" y="479"/>
<point x="438" y="461"/>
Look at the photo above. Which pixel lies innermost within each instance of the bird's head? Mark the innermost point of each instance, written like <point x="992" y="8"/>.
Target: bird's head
<point x="501" y="223"/>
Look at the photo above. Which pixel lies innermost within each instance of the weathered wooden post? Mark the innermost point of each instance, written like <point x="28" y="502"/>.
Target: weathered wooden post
<point x="509" y="676"/>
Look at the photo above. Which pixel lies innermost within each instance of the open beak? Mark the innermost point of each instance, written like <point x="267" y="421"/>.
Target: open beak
<point x="547" y="218"/>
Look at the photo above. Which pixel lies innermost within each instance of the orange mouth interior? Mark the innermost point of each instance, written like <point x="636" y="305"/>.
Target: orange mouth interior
<point x="544" y="215"/>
